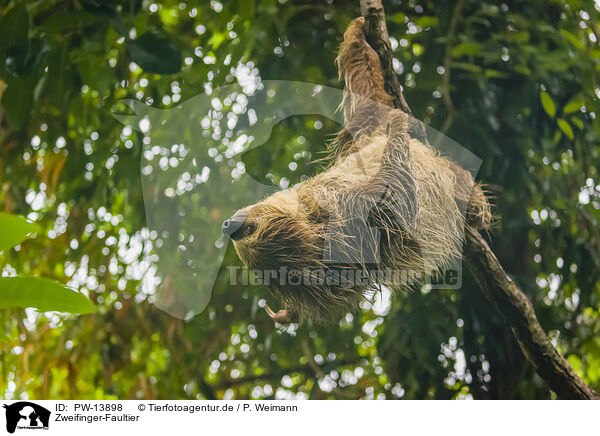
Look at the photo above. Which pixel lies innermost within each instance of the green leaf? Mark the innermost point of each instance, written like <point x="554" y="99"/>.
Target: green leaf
<point x="427" y="21"/>
<point x="15" y="60"/>
<point x="59" y="77"/>
<point x="518" y="37"/>
<point x="548" y="104"/>
<point x="522" y="69"/>
<point x="14" y="230"/>
<point x="14" y="28"/>
<point x="565" y="127"/>
<point x="216" y="40"/>
<point x="397" y="18"/>
<point x="573" y="39"/>
<point x="155" y="53"/>
<point x="495" y="74"/>
<point x="43" y="294"/>
<point x="417" y="49"/>
<point x="17" y="101"/>
<point x="557" y="136"/>
<point x="62" y="21"/>
<point x="246" y="9"/>
<point x="37" y="53"/>
<point x="577" y="122"/>
<point x="573" y="106"/>
<point x="23" y="60"/>
<point x="466" y="48"/>
<point x="467" y="67"/>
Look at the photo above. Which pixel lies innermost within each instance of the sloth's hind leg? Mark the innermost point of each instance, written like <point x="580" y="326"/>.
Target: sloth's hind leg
<point x="359" y="66"/>
<point x="365" y="100"/>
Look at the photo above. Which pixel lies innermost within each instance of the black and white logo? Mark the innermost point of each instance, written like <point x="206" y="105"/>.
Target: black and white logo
<point x="26" y="415"/>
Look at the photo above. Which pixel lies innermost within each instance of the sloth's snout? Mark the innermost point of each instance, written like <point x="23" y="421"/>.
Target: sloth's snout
<point x="232" y="226"/>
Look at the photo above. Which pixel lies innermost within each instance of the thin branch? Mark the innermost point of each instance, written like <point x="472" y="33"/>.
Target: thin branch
<point x="319" y="373"/>
<point x="512" y="304"/>
<point x="276" y="376"/>
<point x="448" y="67"/>
<point x="206" y="390"/>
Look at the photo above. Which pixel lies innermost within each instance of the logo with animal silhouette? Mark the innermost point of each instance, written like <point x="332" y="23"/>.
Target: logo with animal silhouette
<point x="26" y="415"/>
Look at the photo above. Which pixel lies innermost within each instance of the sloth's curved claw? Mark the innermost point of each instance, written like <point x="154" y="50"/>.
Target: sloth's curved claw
<point x="269" y="311"/>
<point x="281" y="317"/>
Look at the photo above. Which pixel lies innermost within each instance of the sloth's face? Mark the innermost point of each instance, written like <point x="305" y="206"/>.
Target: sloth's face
<point x="274" y="233"/>
<point x="284" y="235"/>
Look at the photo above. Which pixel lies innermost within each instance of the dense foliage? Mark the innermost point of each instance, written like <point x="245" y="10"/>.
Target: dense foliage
<point x="516" y="83"/>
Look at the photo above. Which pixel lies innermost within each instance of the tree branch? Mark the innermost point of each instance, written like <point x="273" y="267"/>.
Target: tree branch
<point x="377" y="37"/>
<point x="518" y="312"/>
<point x="512" y="304"/>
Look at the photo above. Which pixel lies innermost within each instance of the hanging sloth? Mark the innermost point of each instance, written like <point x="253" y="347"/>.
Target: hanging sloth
<point x="387" y="201"/>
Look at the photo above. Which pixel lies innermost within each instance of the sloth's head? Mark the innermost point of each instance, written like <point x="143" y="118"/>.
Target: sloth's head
<point x="274" y="233"/>
<point x="282" y="238"/>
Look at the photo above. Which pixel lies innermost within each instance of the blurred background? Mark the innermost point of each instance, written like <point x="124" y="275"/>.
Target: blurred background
<point x="516" y="83"/>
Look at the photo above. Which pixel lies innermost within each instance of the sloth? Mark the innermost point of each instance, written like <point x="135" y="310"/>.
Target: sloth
<point x="386" y="201"/>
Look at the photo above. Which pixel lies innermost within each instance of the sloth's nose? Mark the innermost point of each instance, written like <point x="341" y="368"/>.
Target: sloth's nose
<point x="231" y="226"/>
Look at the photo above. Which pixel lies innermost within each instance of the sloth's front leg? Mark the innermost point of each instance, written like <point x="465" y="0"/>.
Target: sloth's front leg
<point x="397" y="179"/>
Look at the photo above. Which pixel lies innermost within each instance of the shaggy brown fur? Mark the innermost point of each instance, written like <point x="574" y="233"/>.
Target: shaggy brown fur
<point x="386" y="201"/>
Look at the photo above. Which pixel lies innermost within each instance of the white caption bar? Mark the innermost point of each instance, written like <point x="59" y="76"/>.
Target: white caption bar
<point x="299" y="417"/>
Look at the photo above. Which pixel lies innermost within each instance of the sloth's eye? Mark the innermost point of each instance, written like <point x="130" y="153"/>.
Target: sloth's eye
<point x="249" y="229"/>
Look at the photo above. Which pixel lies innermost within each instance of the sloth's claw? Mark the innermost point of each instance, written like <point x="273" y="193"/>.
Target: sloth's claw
<point x="281" y="317"/>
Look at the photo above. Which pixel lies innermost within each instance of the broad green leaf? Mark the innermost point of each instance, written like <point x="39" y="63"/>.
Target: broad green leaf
<point x="17" y="101"/>
<point x="43" y="294"/>
<point x="59" y="77"/>
<point x="565" y="127"/>
<point x="548" y="104"/>
<point x="23" y="60"/>
<point x="14" y="230"/>
<point x="94" y="69"/>
<point x="155" y="53"/>
<point x="15" y="60"/>
<point x="14" y="27"/>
